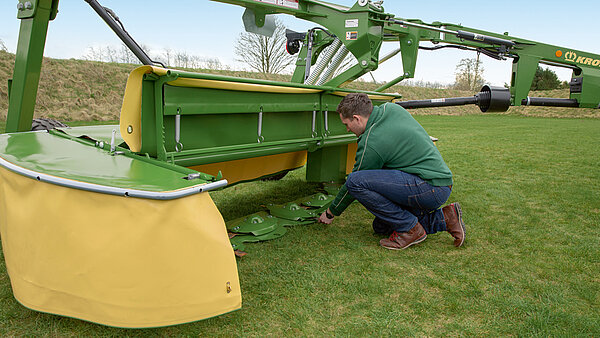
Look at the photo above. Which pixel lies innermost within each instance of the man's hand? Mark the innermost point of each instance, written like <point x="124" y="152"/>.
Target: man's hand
<point x="324" y="219"/>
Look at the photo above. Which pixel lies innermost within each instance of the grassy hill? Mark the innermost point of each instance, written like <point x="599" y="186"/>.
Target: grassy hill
<point x="78" y="90"/>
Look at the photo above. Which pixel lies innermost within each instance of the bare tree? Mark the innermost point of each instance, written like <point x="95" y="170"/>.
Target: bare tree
<point x="3" y="46"/>
<point x="170" y="57"/>
<point x="102" y="53"/>
<point x="127" y="56"/>
<point x="212" y="63"/>
<point x="469" y="74"/>
<point x="264" y="54"/>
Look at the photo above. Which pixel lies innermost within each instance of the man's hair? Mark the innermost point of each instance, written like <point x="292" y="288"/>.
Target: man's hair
<point x="355" y="104"/>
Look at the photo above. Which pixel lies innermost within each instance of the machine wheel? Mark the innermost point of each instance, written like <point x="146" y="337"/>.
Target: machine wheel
<point x="46" y="124"/>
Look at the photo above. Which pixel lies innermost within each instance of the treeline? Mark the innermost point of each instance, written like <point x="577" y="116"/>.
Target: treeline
<point x="169" y="57"/>
<point x="469" y="76"/>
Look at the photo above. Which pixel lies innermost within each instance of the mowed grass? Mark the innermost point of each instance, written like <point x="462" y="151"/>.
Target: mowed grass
<point x="530" y="192"/>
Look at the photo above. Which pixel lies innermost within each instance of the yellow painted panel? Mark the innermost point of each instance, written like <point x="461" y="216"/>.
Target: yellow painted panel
<point x="130" y="123"/>
<point x="350" y="157"/>
<point x="246" y="87"/>
<point x="371" y="96"/>
<point x="252" y="168"/>
<point x="114" y="260"/>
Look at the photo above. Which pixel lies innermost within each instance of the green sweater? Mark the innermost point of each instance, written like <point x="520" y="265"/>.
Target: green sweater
<point x="393" y="139"/>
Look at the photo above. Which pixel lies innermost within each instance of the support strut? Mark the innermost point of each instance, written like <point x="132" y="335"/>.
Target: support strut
<point x="111" y="20"/>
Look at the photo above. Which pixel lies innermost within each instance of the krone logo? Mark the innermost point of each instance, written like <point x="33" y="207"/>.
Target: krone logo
<point x="570" y="56"/>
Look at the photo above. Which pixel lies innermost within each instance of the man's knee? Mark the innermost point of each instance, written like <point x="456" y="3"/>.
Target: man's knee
<point x="354" y="181"/>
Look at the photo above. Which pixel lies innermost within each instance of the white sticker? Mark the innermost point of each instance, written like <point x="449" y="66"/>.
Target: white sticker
<point x="438" y="100"/>
<point x="351" y="23"/>
<point x="285" y="3"/>
<point x="272" y="2"/>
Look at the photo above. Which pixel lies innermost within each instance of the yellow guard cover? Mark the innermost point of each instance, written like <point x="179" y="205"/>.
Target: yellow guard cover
<point x="110" y="259"/>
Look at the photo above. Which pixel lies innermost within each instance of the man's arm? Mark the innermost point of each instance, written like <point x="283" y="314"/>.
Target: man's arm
<point x="366" y="159"/>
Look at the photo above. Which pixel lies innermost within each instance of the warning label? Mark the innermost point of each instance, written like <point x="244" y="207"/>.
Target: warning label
<point x="351" y="35"/>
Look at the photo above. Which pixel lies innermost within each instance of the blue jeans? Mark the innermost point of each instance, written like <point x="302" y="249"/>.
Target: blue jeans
<point x="400" y="199"/>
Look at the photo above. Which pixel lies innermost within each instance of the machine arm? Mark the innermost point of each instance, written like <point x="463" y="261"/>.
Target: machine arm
<point x="363" y="28"/>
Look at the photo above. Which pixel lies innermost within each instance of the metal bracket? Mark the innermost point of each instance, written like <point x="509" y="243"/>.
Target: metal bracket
<point x="178" y="144"/>
<point x="26" y="9"/>
<point x="112" y="141"/>
<point x="314" y="123"/>
<point x="260" y="121"/>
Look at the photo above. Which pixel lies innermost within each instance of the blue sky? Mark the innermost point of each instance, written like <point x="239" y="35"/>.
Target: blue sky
<point x="209" y="29"/>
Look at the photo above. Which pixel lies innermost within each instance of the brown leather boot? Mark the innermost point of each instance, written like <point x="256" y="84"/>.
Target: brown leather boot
<point x="402" y="240"/>
<point x="454" y="223"/>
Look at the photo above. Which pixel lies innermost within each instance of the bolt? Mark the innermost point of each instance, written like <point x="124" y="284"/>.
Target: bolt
<point x="20" y="6"/>
<point x="406" y="74"/>
<point x="129" y="129"/>
<point x="364" y="63"/>
<point x="28" y="5"/>
<point x="409" y="42"/>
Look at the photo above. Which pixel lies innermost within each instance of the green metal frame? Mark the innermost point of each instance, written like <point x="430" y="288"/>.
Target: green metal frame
<point x="35" y="16"/>
<point x="220" y="125"/>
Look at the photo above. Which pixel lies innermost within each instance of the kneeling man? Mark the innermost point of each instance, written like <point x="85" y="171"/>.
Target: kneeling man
<point x="399" y="176"/>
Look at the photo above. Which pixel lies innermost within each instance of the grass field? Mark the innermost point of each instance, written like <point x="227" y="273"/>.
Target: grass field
<point x="530" y="191"/>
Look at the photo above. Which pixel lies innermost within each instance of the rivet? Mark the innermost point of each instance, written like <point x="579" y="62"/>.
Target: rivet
<point x="129" y="129"/>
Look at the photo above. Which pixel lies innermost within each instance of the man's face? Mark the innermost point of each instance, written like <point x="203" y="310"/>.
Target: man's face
<point x="356" y="124"/>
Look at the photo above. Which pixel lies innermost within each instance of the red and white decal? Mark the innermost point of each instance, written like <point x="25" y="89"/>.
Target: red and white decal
<point x="351" y="35"/>
<point x="289" y="3"/>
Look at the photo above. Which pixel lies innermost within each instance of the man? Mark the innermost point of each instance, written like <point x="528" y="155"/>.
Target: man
<point x="398" y="175"/>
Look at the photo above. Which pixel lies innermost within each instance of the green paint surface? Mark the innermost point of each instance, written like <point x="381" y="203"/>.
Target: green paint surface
<point x="62" y="157"/>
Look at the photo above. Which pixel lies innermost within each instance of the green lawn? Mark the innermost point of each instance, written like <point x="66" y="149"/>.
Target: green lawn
<point x="69" y="123"/>
<point x="530" y="192"/>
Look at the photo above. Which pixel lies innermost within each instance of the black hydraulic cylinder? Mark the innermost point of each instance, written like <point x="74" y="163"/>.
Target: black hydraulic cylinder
<point x="484" y="38"/>
<point x="550" y="102"/>
<point x="121" y="33"/>
<point x="489" y="99"/>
